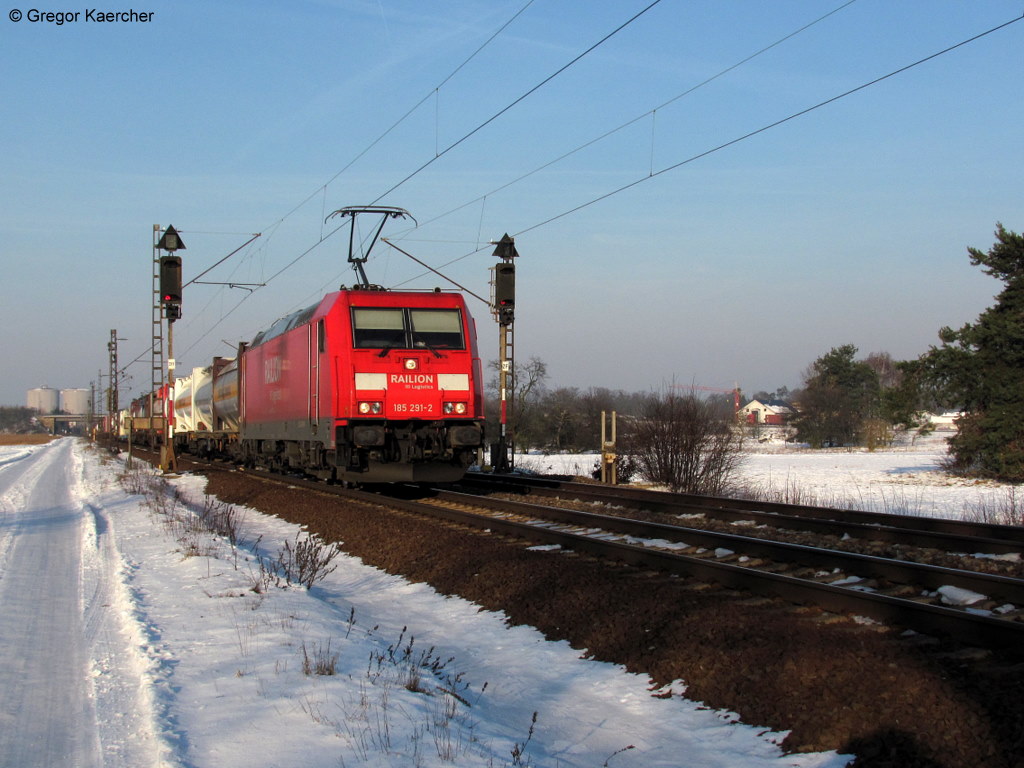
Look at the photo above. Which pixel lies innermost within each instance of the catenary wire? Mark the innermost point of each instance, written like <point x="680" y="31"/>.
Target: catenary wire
<point x="505" y="109"/>
<point x="775" y="124"/>
<point x="636" y="119"/>
<point x="398" y="122"/>
<point x="479" y="127"/>
<point x="322" y="188"/>
<point x="737" y="140"/>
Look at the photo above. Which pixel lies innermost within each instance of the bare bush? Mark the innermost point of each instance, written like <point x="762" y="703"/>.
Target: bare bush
<point x="1005" y="510"/>
<point x="191" y="528"/>
<point x="519" y="749"/>
<point x="136" y="481"/>
<point x="221" y="518"/>
<point x="687" y="443"/>
<point x="414" y="665"/>
<point x="305" y="562"/>
<point x="321" y="661"/>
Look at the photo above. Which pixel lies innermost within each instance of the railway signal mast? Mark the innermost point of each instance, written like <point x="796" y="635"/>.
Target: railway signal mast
<point x="504" y="309"/>
<point x="170" y="300"/>
<point x="113" y="404"/>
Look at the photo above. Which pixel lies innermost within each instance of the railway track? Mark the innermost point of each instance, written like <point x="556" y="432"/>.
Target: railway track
<point x="901" y="593"/>
<point x="894" y="592"/>
<point x="947" y="535"/>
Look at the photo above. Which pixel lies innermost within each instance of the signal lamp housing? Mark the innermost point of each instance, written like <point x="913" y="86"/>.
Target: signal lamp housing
<point x="170" y="280"/>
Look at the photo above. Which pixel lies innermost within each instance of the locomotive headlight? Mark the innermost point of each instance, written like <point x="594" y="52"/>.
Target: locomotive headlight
<point x="411" y="364"/>
<point x="368" y="408"/>
<point x="456" y="408"/>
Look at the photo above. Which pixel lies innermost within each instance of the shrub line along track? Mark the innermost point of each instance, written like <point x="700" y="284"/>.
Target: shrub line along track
<point x="968" y="627"/>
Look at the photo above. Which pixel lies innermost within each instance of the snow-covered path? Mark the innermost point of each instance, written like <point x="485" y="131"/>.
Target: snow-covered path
<point x="57" y="578"/>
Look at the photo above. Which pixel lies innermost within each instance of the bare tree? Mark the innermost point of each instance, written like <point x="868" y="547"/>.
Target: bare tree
<point x="687" y="443"/>
<point x="528" y="384"/>
<point x="889" y="374"/>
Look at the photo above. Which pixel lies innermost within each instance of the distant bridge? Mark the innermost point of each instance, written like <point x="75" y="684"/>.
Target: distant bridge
<point x="69" y="424"/>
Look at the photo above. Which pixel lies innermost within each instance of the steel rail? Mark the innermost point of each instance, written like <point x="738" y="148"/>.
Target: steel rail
<point x="970" y="628"/>
<point x="911" y="530"/>
<point x="1004" y="588"/>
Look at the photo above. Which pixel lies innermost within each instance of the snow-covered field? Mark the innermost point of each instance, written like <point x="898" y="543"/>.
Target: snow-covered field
<point x="123" y="646"/>
<point x="903" y="480"/>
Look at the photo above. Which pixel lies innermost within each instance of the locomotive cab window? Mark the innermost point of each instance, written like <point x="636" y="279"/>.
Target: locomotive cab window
<point x="397" y="328"/>
<point x="436" y="328"/>
<point x="378" y="328"/>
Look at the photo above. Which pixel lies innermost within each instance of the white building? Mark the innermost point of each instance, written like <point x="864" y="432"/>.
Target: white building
<point x="775" y="412"/>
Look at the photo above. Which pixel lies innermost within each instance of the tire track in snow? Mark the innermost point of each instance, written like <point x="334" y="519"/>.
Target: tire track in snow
<point x="13" y="458"/>
<point x="123" y="672"/>
<point x="16" y="477"/>
<point x="122" y="686"/>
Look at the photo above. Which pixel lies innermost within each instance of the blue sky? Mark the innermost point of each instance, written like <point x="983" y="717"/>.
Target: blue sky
<point x="848" y="224"/>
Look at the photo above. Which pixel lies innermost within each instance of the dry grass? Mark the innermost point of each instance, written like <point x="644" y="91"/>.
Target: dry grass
<point x="25" y="439"/>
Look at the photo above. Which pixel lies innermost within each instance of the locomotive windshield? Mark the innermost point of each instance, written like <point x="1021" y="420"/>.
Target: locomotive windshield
<point x="407" y="328"/>
<point x="376" y="328"/>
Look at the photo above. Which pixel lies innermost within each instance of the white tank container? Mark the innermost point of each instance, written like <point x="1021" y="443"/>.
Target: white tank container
<point x="189" y="415"/>
<point x="223" y="398"/>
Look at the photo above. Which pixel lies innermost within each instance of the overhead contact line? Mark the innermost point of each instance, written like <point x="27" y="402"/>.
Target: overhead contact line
<point x="531" y="91"/>
<point x="768" y="127"/>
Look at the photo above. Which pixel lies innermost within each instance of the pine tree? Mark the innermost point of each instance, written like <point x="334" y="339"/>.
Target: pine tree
<point x="981" y="367"/>
<point x="839" y="396"/>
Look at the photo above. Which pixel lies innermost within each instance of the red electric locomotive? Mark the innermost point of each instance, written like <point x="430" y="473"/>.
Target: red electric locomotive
<point x="367" y="385"/>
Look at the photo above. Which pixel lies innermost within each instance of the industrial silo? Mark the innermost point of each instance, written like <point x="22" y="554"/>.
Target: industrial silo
<point x="43" y="399"/>
<point x="74" y="401"/>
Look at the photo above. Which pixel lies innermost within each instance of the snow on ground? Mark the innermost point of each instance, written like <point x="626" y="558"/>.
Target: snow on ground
<point x="905" y="480"/>
<point x="122" y="645"/>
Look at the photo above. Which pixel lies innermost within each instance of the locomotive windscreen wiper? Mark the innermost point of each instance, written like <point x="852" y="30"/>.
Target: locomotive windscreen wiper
<point x="431" y="347"/>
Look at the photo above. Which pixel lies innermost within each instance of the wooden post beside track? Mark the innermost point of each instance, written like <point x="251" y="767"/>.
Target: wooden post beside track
<point x="609" y="470"/>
